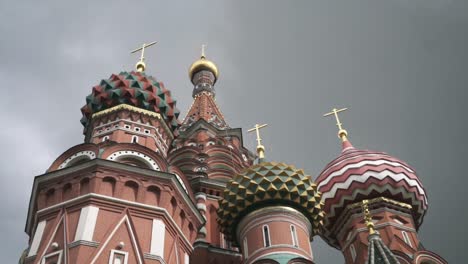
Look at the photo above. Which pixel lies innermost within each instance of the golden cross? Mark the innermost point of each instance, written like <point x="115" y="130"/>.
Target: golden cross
<point x="368" y="217"/>
<point x="260" y="147"/>
<point x="341" y="133"/>
<point x="141" y="64"/>
<point x="203" y="50"/>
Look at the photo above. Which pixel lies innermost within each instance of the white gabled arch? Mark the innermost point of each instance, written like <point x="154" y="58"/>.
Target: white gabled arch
<point x="79" y="156"/>
<point x="122" y="154"/>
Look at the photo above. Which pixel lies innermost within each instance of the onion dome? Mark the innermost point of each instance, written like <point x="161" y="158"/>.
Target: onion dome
<point x="356" y="175"/>
<point x="267" y="184"/>
<point x="132" y="88"/>
<point x="203" y="64"/>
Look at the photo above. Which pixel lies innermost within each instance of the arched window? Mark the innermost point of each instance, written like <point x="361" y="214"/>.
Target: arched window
<point x="84" y="186"/>
<point x="105" y="138"/>
<point x="153" y="195"/>
<point x="353" y="252"/>
<point x="182" y="218"/>
<point x="406" y="238"/>
<point x="108" y="186"/>
<point x="294" y="236"/>
<point x="266" y="236"/>
<point x="245" y="248"/>
<point x="66" y="192"/>
<point x="134" y="139"/>
<point x="50" y="197"/>
<point x="130" y="191"/>
<point x="174" y="205"/>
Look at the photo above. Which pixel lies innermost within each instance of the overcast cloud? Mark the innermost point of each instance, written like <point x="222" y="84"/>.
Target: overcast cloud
<point x="399" y="65"/>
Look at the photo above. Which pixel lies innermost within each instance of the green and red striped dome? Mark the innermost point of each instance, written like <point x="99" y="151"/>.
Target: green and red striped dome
<point x="132" y="88"/>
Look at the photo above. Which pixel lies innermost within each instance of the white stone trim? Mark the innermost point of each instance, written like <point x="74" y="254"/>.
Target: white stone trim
<point x="117" y="200"/>
<point x="53" y="236"/>
<point x="279" y="252"/>
<point x="158" y="238"/>
<point x="352" y="249"/>
<point x="135" y="154"/>
<point x="79" y="155"/>
<point x="86" y="223"/>
<point x="132" y="236"/>
<point x="200" y="196"/>
<point x="201" y="207"/>
<point x="58" y="252"/>
<point x="37" y="238"/>
<point x="181" y="182"/>
<point x="186" y="258"/>
<point x="112" y="255"/>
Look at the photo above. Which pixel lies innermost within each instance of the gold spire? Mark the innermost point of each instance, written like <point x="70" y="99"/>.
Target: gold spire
<point x="203" y="51"/>
<point x="368" y="217"/>
<point x="260" y="147"/>
<point x="140" y="66"/>
<point x="341" y="132"/>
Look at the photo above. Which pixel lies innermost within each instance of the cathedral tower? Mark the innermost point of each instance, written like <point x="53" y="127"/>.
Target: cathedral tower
<point x="394" y="198"/>
<point x="271" y="210"/>
<point x="116" y="198"/>
<point x="209" y="153"/>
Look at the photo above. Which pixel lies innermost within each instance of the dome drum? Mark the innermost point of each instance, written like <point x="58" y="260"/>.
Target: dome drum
<point x="268" y="184"/>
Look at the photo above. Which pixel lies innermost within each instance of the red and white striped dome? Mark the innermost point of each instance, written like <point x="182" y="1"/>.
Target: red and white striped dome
<point x="362" y="174"/>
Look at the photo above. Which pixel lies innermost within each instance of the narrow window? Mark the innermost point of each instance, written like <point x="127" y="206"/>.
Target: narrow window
<point x="266" y="236"/>
<point x="406" y="238"/>
<point x="246" y="248"/>
<point x="294" y="236"/>
<point x="353" y="252"/>
<point x="134" y="139"/>
<point x="105" y="138"/>
<point x="118" y="257"/>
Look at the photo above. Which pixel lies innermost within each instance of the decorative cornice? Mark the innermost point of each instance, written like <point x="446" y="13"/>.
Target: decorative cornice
<point x="126" y="107"/>
<point x="112" y="165"/>
<point x="83" y="243"/>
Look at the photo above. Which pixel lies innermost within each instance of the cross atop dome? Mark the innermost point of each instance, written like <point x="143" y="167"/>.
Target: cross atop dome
<point x="140" y="66"/>
<point x="260" y="147"/>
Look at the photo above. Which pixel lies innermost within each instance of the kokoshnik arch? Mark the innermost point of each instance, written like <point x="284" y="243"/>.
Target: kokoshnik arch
<point x="148" y="187"/>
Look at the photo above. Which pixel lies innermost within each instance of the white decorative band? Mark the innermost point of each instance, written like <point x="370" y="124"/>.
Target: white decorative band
<point x="358" y="165"/>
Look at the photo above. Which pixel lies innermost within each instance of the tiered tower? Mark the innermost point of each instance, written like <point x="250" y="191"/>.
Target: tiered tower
<point x="394" y="196"/>
<point x="116" y="198"/>
<point x="208" y="152"/>
<point x="271" y="210"/>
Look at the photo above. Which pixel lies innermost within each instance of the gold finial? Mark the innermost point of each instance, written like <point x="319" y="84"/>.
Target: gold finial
<point x="203" y="51"/>
<point x="140" y="66"/>
<point x="341" y="132"/>
<point x="368" y="217"/>
<point x="260" y="147"/>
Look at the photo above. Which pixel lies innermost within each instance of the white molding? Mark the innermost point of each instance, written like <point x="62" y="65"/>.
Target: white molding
<point x="112" y="254"/>
<point x="117" y="200"/>
<point x="132" y="236"/>
<point x="115" y="156"/>
<point x="53" y="236"/>
<point x="78" y="155"/>
<point x="58" y="252"/>
<point x="86" y="223"/>
<point x="158" y="238"/>
<point x="278" y="252"/>
<point x="37" y="238"/>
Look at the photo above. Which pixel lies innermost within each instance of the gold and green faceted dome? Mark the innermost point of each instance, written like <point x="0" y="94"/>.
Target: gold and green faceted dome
<point x="269" y="184"/>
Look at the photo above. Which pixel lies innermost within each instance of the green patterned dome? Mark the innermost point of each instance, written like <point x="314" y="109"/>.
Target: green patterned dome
<point x="132" y="88"/>
<point x="265" y="184"/>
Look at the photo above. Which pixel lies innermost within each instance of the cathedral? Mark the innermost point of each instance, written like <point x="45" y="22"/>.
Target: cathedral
<point x="149" y="187"/>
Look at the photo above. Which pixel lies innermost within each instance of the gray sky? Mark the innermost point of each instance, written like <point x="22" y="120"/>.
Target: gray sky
<point x="399" y="65"/>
